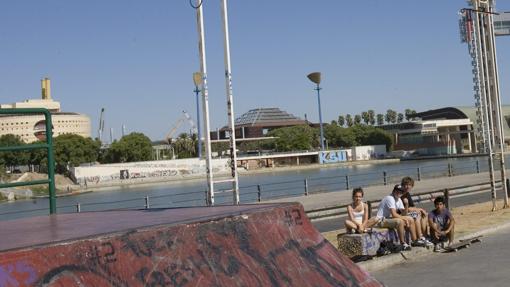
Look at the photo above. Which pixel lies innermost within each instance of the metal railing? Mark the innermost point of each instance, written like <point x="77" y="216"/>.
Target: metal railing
<point x="267" y="191"/>
<point x="49" y="148"/>
<point x="340" y="210"/>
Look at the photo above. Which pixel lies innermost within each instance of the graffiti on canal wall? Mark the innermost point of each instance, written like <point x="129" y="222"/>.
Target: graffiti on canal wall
<point x="126" y="173"/>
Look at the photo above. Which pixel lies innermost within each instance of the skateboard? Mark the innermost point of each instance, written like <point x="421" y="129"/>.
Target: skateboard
<point x="464" y="243"/>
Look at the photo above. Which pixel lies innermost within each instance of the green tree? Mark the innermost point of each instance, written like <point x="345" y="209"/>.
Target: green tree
<point x="341" y="120"/>
<point x="391" y="116"/>
<point x="132" y="147"/>
<point x="380" y="119"/>
<point x="368" y="135"/>
<point x="407" y="114"/>
<point x="348" y="120"/>
<point x="357" y="119"/>
<point x="400" y="117"/>
<point x="334" y="123"/>
<point x="339" y="137"/>
<point x="39" y="158"/>
<point x="366" y="117"/>
<point x="185" y="146"/>
<point x="11" y="159"/>
<point x="295" y="138"/>
<point x="371" y="117"/>
<point x="72" y="150"/>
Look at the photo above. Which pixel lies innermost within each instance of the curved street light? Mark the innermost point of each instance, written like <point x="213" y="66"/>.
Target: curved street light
<point x="197" y="80"/>
<point x="316" y="78"/>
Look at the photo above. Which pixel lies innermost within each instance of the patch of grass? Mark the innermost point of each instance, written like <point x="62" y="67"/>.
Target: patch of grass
<point x="39" y="190"/>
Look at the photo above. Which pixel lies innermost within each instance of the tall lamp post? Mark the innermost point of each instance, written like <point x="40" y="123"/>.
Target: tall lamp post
<point x="316" y="78"/>
<point x="197" y="80"/>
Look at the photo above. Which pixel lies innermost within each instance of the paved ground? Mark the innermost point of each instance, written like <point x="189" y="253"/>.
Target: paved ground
<point x="483" y="264"/>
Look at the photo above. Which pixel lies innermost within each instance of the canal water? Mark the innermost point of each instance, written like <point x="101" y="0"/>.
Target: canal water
<point x="266" y="185"/>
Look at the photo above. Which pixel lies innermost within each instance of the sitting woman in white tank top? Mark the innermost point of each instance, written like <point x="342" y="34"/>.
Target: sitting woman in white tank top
<point x="357" y="213"/>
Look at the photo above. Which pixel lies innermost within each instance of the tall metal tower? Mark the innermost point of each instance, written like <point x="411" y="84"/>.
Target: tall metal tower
<point x="233" y="177"/>
<point x="477" y="30"/>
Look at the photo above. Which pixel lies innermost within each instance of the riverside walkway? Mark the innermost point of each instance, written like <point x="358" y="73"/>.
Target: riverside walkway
<point x="377" y="192"/>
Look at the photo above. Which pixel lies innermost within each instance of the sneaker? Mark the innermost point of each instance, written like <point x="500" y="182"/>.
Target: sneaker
<point x="419" y="243"/>
<point x="406" y="247"/>
<point x="438" y="248"/>
<point x="427" y="242"/>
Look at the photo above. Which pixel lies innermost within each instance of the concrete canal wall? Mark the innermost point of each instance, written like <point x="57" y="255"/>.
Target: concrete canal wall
<point x="146" y="171"/>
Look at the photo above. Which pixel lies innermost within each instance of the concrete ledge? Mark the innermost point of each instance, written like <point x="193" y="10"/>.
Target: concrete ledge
<point x="364" y="244"/>
<point x="378" y="263"/>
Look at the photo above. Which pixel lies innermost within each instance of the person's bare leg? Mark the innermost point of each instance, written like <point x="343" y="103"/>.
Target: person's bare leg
<point x="424" y="225"/>
<point x="350" y="226"/>
<point x="451" y="235"/>
<point x="401" y="231"/>
<point x="417" y="224"/>
<point x="411" y="227"/>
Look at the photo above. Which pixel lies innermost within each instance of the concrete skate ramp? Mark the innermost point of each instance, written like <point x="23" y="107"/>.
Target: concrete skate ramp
<point x="247" y="245"/>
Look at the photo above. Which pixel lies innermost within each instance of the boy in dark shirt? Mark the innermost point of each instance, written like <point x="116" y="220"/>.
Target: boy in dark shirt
<point x="441" y="223"/>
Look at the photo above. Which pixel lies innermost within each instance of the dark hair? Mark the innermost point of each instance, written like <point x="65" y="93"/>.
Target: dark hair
<point x="399" y="188"/>
<point x="439" y="199"/>
<point x="356" y="190"/>
<point x="407" y="181"/>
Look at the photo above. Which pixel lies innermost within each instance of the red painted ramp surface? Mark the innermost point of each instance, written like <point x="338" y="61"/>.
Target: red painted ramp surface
<point x="247" y="245"/>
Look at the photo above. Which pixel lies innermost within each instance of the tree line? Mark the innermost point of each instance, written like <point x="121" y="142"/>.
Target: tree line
<point x="71" y="150"/>
<point x="371" y="118"/>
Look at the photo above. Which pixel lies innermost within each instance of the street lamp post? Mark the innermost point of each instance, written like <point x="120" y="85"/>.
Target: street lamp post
<point x="197" y="80"/>
<point x="316" y="78"/>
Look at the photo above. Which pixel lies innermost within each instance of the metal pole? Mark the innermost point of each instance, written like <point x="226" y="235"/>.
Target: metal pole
<point x="306" y="186"/>
<point x="205" y="103"/>
<point x="320" y="115"/>
<point x="199" y="134"/>
<point x="484" y="88"/>
<point x="230" y="105"/>
<point x="497" y="103"/>
<point x="51" y="163"/>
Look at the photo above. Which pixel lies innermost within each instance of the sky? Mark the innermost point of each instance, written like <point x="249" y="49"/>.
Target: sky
<point x="136" y="58"/>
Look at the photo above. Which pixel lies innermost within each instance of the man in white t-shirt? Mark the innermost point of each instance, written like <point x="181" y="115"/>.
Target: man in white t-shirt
<point x="388" y="217"/>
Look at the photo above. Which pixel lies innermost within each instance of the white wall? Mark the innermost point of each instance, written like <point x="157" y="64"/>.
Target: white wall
<point x="145" y="171"/>
<point x="368" y="152"/>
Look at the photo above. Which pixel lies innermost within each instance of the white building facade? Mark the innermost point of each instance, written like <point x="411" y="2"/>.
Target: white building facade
<point x="32" y="127"/>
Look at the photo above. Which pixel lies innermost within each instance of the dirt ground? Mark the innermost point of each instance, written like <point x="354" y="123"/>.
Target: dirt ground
<point x="468" y="219"/>
<point x="62" y="183"/>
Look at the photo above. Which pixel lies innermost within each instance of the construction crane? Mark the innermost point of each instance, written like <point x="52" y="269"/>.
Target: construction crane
<point x="185" y="116"/>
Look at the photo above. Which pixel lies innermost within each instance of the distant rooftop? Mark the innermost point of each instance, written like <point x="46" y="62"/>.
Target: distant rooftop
<point x="267" y="117"/>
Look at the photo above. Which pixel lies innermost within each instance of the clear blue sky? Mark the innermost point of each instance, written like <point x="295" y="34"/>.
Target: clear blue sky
<point x="136" y="58"/>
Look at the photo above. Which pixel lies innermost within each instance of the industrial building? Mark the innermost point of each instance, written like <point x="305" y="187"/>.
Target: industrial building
<point x="32" y="127"/>
<point x="444" y="131"/>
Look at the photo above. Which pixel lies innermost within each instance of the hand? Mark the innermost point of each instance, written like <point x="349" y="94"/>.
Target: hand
<point x="423" y="212"/>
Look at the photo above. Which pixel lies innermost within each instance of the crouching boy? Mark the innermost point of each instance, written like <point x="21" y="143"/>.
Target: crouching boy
<point x="441" y="223"/>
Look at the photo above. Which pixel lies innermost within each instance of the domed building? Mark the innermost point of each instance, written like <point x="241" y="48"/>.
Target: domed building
<point x="32" y="127"/>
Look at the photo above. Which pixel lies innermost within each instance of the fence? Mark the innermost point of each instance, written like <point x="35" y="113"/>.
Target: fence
<point x="265" y="191"/>
<point x="341" y="209"/>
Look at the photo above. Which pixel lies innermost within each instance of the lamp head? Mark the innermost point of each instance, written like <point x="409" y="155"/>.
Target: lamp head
<point x="315" y="77"/>
<point x="197" y="78"/>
